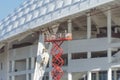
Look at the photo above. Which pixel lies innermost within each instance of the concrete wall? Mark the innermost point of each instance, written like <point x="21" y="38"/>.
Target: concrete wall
<point x="20" y="77"/>
<point x="23" y="53"/>
<point x="85" y="45"/>
<point x="82" y="65"/>
<point x="3" y="66"/>
<point x="88" y="45"/>
<point x="75" y="65"/>
<point x="79" y="35"/>
<point x="19" y="56"/>
<point x="20" y="65"/>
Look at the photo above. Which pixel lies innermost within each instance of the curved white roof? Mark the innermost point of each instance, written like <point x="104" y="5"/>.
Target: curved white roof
<point x="34" y="13"/>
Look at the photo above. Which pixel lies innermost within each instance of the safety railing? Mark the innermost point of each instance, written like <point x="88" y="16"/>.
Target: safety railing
<point x="57" y="37"/>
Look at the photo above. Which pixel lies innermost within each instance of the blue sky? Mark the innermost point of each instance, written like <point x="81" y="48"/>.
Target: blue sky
<point x="7" y="6"/>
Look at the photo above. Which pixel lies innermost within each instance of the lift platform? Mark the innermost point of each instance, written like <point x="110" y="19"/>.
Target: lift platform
<point x="56" y="52"/>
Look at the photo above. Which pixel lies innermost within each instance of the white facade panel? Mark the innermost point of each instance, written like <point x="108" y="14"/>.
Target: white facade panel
<point x="64" y="8"/>
<point x="82" y="65"/>
<point x="88" y="45"/>
<point x="23" y="53"/>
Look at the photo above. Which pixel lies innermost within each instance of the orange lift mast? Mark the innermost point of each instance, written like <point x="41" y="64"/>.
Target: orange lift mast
<point x="56" y="52"/>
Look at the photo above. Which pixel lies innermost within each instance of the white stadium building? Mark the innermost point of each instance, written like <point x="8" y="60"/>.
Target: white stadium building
<point x="92" y="54"/>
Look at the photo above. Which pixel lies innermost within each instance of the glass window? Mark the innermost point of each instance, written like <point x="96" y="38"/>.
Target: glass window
<point x="59" y="4"/>
<point x="118" y="75"/>
<point x="46" y="76"/>
<point x="35" y="14"/>
<point x="29" y="16"/>
<point x="26" y="11"/>
<point x="51" y="7"/>
<point x="93" y="76"/>
<point x="16" y="24"/>
<point x="3" y="32"/>
<point x="9" y="28"/>
<point x="14" y="18"/>
<point x="103" y="75"/>
<point x="20" y="14"/>
<point x="76" y="1"/>
<point x="33" y="7"/>
<point x="31" y="2"/>
<point x="22" y="20"/>
<point x="99" y="54"/>
<point x="79" y="55"/>
<point x="46" y="1"/>
<point x="43" y="11"/>
<point x="67" y="2"/>
<point x="39" y="3"/>
<point x="65" y="58"/>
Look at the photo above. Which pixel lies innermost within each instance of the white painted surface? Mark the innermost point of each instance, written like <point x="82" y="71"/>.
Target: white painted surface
<point x="77" y="65"/>
<point x="70" y="76"/>
<point x="42" y="60"/>
<point x="89" y="75"/>
<point x="89" y="26"/>
<point x="23" y="53"/>
<point x="81" y="65"/>
<point x="109" y="74"/>
<point x="48" y="12"/>
<point x="109" y="25"/>
<point x="88" y="45"/>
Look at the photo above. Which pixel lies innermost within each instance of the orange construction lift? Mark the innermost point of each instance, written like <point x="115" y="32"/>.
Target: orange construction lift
<point x="56" y="52"/>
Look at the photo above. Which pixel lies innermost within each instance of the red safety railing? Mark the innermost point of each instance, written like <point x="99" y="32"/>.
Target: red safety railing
<point x="56" y="52"/>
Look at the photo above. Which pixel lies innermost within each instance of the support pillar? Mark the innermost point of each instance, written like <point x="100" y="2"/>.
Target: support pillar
<point x="13" y="68"/>
<point x="109" y="74"/>
<point x="69" y="26"/>
<point x="32" y="66"/>
<point x="109" y="25"/>
<point x="27" y="68"/>
<point x="69" y="73"/>
<point x="109" y="55"/>
<point x="32" y="62"/>
<point x="7" y="61"/>
<point x="69" y="76"/>
<point x="88" y="26"/>
<point x="69" y="59"/>
<point x="27" y="64"/>
<point x="97" y="75"/>
<point x="89" y="55"/>
<point x="89" y="76"/>
<point x="50" y="66"/>
<point x="69" y="54"/>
